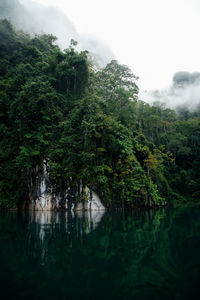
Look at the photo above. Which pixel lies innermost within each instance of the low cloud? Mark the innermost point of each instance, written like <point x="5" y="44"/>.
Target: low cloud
<point x="35" y="18"/>
<point x="99" y="51"/>
<point x="184" y="92"/>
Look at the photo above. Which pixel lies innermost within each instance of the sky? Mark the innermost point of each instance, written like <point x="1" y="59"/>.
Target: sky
<point x="155" y="38"/>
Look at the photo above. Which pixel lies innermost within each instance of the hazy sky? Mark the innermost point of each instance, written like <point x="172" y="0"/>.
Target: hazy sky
<point x="155" y="38"/>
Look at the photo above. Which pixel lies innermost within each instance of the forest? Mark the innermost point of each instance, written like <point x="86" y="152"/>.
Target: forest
<point x="88" y="125"/>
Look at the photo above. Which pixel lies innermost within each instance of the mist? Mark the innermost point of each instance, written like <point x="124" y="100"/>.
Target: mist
<point x="184" y="92"/>
<point x="35" y="18"/>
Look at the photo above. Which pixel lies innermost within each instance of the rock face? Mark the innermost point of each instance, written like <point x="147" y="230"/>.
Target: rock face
<point x="40" y="188"/>
<point x="93" y="201"/>
<point x="43" y="197"/>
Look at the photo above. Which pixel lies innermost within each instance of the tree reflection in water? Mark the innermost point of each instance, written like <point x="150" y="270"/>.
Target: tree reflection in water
<point x="43" y="226"/>
<point x="146" y="254"/>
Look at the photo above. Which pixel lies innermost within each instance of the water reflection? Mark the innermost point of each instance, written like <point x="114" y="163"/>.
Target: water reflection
<point x="150" y="254"/>
<point x="45" y="225"/>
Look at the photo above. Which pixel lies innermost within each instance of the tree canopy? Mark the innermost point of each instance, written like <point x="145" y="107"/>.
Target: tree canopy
<point x="90" y="127"/>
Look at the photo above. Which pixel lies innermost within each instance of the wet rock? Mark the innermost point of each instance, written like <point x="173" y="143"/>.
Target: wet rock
<point x="43" y="197"/>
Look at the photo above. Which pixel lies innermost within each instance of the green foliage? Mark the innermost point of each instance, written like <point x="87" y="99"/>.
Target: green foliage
<point x="89" y="126"/>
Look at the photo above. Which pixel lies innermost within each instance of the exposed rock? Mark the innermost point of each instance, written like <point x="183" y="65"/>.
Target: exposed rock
<point x="93" y="201"/>
<point x="43" y="197"/>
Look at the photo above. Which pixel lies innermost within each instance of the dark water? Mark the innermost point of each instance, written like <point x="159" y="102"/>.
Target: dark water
<point x="132" y="255"/>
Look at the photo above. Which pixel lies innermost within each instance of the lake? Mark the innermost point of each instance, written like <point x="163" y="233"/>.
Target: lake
<point x="143" y="254"/>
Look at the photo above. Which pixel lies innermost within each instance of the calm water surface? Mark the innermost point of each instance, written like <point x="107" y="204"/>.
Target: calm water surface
<point x="131" y="255"/>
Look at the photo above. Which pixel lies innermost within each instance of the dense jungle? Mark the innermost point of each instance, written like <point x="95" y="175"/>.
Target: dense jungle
<point x="88" y="125"/>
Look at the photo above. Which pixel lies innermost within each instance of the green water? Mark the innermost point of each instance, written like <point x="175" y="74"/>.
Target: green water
<point x="132" y="255"/>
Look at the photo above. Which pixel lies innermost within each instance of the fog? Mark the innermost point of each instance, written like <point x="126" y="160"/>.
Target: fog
<point x="184" y="92"/>
<point x="35" y="18"/>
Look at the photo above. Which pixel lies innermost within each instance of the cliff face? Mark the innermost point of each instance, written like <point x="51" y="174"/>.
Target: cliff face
<point x="43" y="196"/>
